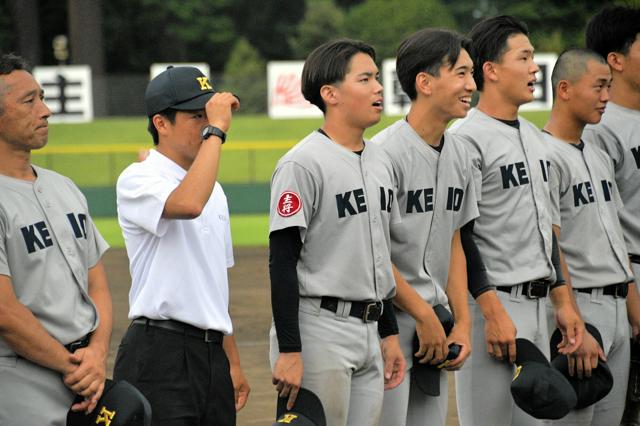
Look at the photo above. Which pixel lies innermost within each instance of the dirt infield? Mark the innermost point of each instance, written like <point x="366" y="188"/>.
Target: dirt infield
<point x="251" y="314"/>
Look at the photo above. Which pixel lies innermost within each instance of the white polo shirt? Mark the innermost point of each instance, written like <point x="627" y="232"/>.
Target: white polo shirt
<point x="178" y="267"/>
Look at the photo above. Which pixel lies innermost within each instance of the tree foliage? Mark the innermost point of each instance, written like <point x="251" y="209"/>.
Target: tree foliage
<point x="322" y="22"/>
<point x="384" y="23"/>
<point x="245" y="75"/>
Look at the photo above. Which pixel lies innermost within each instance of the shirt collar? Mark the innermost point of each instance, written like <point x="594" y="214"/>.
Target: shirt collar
<point x="164" y="163"/>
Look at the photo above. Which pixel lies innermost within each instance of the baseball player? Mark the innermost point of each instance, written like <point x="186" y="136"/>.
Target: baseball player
<point x="615" y="34"/>
<point x="436" y="197"/>
<point x="513" y="232"/>
<point x="332" y="201"/>
<point x="584" y="206"/>
<point x="179" y="350"/>
<point x="55" y="306"/>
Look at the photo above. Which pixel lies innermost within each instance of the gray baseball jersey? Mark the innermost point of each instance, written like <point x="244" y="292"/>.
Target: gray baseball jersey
<point x="514" y="237"/>
<point x="343" y="203"/>
<point x="584" y="204"/>
<point x="48" y="244"/>
<point x="513" y="232"/>
<point x="436" y="196"/>
<point x="618" y="133"/>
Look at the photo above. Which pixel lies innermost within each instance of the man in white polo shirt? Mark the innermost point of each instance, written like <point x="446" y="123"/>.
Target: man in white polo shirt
<point x="179" y="350"/>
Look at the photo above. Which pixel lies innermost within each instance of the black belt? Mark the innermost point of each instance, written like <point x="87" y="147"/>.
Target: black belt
<point x="80" y="343"/>
<point x="615" y="290"/>
<point x="367" y="311"/>
<point x="634" y="258"/>
<point x="209" y="336"/>
<point x="532" y="289"/>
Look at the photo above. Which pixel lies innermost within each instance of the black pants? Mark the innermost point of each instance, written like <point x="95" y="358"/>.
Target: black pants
<point x="185" y="379"/>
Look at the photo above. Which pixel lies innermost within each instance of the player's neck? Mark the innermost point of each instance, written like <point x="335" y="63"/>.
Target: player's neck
<point x="426" y="124"/>
<point x="625" y="96"/>
<point x="343" y="134"/>
<point x="564" y="126"/>
<point x="174" y="156"/>
<point x="16" y="163"/>
<point x="494" y="105"/>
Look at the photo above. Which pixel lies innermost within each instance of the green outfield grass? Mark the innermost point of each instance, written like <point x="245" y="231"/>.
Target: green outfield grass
<point x="246" y="230"/>
<point x="94" y="154"/>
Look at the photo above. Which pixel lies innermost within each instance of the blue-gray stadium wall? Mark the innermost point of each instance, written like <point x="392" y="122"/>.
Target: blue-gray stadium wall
<point x="243" y="199"/>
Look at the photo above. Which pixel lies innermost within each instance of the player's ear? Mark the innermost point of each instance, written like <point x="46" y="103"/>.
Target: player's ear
<point x="616" y="61"/>
<point x="563" y="89"/>
<point x="328" y="93"/>
<point x="489" y="71"/>
<point x="161" y="123"/>
<point x="423" y="83"/>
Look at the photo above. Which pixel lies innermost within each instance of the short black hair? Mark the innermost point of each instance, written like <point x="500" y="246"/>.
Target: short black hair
<point x="169" y="114"/>
<point x="426" y="51"/>
<point x="10" y="62"/>
<point x="613" y="29"/>
<point x="328" y="64"/>
<point x="572" y="64"/>
<point x="489" y="39"/>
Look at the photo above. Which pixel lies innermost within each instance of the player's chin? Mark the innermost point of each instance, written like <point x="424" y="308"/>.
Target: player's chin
<point x="39" y="142"/>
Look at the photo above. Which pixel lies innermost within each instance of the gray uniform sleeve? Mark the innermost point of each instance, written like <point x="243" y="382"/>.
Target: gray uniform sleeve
<point x="606" y="141"/>
<point x="294" y="196"/>
<point x="555" y="182"/>
<point x="4" y="262"/>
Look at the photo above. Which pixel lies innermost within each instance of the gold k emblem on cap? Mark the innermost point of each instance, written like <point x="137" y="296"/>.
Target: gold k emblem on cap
<point x="204" y="83"/>
<point x="105" y="416"/>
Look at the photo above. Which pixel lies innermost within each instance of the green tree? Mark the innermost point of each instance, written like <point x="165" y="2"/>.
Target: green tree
<point x="268" y="24"/>
<point x="553" y="25"/>
<point x="384" y="23"/>
<point x="322" y="22"/>
<point x="245" y="75"/>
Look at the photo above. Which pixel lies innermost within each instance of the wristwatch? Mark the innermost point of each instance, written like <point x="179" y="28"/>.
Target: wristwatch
<point x="210" y="130"/>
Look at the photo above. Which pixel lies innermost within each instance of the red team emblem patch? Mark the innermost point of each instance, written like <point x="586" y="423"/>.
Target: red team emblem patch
<point x="289" y="204"/>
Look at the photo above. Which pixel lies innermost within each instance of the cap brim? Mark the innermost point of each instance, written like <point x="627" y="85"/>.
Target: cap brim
<point x="307" y="405"/>
<point x="199" y="102"/>
<point x="527" y="351"/>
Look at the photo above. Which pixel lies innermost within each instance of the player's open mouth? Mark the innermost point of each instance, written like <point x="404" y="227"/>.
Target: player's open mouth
<point x="377" y="104"/>
<point x="531" y="85"/>
<point x="466" y="100"/>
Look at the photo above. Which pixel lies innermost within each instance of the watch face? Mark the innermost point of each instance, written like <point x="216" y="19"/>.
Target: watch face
<point x="209" y="130"/>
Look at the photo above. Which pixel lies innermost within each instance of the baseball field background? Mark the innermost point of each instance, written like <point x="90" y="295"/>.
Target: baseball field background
<point x="94" y="154"/>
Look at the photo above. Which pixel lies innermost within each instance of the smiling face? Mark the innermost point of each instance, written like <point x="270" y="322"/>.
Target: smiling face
<point x="358" y="97"/>
<point x="23" y="121"/>
<point x="589" y="95"/>
<point x="515" y="73"/>
<point x="451" y="91"/>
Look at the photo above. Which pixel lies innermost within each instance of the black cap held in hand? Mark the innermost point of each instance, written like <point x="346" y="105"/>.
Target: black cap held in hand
<point x="181" y="88"/>
<point x="121" y="404"/>
<point x="538" y="389"/>
<point x="588" y="389"/>
<point x="306" y="411"/>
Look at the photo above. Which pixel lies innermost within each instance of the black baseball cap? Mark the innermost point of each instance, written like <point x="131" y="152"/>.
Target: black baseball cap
<point x="589" y="390"/>
<point x="427" y="376"/>
<point x="181" y="88"/>
<point x="121" y="404"/>
<point x="538" y="389"/>
<point x="306" y="411"/>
